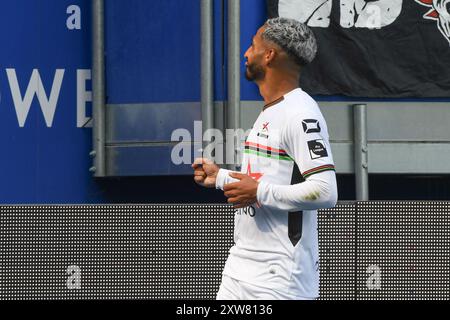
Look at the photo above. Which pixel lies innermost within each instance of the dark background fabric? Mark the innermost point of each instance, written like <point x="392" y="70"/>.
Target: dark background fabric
<point x="408" y="59"/>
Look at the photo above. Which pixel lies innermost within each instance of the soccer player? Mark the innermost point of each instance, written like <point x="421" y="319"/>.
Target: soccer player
<point x="287" y="174"/>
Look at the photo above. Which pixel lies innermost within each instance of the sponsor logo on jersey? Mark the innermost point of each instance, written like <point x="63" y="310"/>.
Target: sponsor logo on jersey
<point x="311" y="125"/>
<point x="264" y="131"/>
<point x="263" y="135"/>
<point x="317" y="149"/>
<point x="248" y="211"/>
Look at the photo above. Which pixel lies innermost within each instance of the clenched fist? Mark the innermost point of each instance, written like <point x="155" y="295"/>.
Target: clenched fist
<point x="205" y="172"/>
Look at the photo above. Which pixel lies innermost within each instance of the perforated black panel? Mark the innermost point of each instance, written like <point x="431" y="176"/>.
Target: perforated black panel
<point x="157" y="251"/>
<point x="369" y="250"/>
<point x="337" y="245"/>
<point x="403" y="250"/>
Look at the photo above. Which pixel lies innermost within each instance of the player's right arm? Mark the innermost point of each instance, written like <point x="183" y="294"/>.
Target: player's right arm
<point x="207" y="174"/>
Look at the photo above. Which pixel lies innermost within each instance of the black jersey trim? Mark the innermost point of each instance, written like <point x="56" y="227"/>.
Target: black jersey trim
<point x="295" y="218"/>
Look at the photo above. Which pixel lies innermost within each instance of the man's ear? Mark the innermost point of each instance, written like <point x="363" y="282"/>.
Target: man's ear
<point x="270" y="55"/>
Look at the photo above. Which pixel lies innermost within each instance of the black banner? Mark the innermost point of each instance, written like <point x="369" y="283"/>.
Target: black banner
<point x="381" y="48"/>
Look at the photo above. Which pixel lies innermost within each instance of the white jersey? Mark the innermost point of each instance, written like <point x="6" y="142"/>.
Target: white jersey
<point x="274" y="247"/>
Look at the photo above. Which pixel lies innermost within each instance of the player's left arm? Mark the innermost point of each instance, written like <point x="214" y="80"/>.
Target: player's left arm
<point x="306" y="141"/>
<point x="316" y="192"/>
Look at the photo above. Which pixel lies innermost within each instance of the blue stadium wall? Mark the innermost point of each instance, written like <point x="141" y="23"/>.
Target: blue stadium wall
<point x="40" y="162"/>
<point x="45" y="159"/>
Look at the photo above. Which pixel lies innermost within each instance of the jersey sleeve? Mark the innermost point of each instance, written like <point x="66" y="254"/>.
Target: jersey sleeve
<point x="306" y="140"/>
<point x="223" y="178"/>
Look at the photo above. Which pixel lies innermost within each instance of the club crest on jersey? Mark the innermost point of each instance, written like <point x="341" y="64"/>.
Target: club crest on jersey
<point x="255" y="175"/>
<point x="264" y="132"/>
<point x="317" y="149"/>
<point x="311" y="125"/>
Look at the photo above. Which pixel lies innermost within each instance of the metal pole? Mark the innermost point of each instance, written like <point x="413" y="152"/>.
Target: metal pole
<point x="207" y="65"/>
<point x="98" y="88"/>
<point x="234" y="75"/>
<point x="361" y="152"/>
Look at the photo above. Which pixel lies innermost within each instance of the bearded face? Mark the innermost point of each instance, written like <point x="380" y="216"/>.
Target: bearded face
<point x="254" y="72"/>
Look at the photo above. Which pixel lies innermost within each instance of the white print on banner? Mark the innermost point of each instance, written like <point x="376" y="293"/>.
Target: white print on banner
<point x="74" y="20"/>
<point x="363" y="14"/>
<point x="354" y="13"/>
<point x="369" y="14"/>
<point x="439" y="10"/>
<point x="48" y="102"/>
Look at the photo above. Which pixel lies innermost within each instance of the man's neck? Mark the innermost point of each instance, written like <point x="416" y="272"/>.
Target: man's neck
<point x="272" y="88"/>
